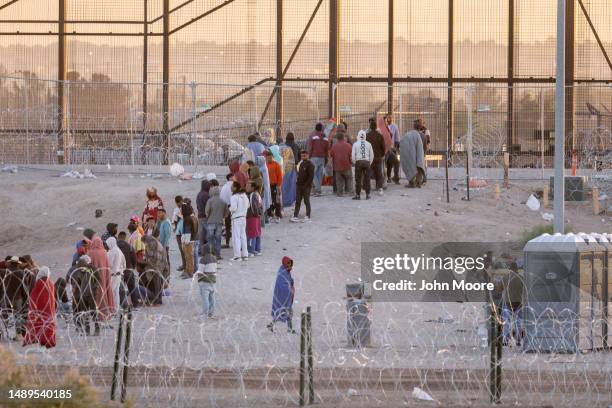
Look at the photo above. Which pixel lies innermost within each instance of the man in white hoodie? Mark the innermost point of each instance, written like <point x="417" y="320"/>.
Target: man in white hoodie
<point x="239" y="204"/>
<point x="362" y="157"/>
<point x="116" y="261"/>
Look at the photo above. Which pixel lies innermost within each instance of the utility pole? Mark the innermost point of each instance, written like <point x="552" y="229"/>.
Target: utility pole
<point x="559" y="184"/>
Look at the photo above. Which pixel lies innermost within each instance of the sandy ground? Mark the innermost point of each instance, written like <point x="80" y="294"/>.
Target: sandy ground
<point x="45" y="215"/>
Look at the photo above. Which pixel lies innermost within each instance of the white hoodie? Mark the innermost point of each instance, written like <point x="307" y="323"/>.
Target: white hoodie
<point x="362" y="149"/>
<point x="239" y="204"/>
<point x="116" y="259"/>
<point x="226" y="192"/>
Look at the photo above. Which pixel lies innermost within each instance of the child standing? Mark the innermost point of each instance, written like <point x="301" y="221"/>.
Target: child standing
<point x="207" y="279"/>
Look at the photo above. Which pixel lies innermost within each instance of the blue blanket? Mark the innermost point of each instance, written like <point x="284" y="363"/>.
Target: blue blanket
<point x="282" y="303"/>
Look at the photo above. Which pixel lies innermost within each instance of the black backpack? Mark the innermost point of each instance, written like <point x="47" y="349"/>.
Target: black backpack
<point x="256" y="207"/>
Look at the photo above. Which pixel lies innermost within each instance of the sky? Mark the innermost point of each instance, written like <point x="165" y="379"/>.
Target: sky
<point x="418" y="20"/>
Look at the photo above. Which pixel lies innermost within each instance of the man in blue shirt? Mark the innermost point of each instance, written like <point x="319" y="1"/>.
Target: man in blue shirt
<point x="165" y="231"/>
<point x="392" y="159"/>
<point x="256" y="147"/>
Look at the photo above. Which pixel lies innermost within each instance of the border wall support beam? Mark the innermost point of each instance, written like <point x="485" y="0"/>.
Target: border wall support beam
<point x="145" y="64"/>
<point x="279" y="66"/>
<point x="449" y="91"/>
<point x="510" y="120"/>
<point x="570" y="46"/>
<point x="291" y="57"/>
<point x="560" y="120"/>
<point x="596" y="34"/>
<point x="62" y="154"/>
<point x="390" y="59"/>
<point x="334" y="13"/>
<point x="166" y="80"/>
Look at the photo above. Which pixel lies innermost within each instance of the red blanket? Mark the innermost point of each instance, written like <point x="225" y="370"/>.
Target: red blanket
<point x="384" y="130"/>
<point x="40" y="327"/>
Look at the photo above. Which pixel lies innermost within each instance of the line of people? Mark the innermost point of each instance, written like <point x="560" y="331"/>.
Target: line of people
<point x="133" y="267"/>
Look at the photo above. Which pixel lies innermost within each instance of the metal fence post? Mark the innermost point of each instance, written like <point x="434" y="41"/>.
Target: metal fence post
<point x="542" y="128"/>
<point x="469" y="91"/>
<point x="446" y="175"/>
<point x="126" y="353"/>
<point x="302" y="356"/>
<point x="492" y="352"/>
<point x="117" y="353"/>
<point x="495" y="357"/>
<point x="27" y="118"/>
<point x="498" y="359"/>
<point x="66" y="135"/>
<point x="311" y="396"/>
<point x="193" y="87"/>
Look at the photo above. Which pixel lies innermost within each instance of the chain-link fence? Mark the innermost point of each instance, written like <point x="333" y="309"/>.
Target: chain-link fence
<point x="174" y="356"/>
<point x="112" y="123"/>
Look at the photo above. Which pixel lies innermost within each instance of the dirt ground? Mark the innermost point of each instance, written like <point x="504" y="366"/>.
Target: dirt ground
<point x="45" y="215"/>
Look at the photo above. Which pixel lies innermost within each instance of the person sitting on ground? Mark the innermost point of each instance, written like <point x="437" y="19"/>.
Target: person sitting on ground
<point x="284" y="294"/>
<point x="207" y="280"/>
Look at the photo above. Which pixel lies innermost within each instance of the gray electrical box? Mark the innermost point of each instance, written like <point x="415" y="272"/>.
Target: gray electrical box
<point x="575" y="188"/>
<point x="605" y="240"/>
<point x="359" y="321"/>
<point x="563" y="308"/>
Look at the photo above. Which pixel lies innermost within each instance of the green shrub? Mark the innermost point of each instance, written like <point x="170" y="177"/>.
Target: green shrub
<point x="15" y="377"/>
<point x="538" y="230"/>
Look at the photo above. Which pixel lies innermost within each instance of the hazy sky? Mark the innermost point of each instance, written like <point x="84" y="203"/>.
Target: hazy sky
<point x="417" y="20"/>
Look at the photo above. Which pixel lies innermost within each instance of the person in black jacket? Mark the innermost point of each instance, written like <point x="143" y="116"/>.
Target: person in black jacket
<point x="129" y="286"/>
<point x="15" y="286"/>
<point x="305" y="176"/>
<point x="290" y="141"/>
<point x="378" y="145"/>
